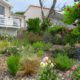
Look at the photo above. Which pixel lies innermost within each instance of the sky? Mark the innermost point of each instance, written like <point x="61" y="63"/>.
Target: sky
<point x="22" y="5"/>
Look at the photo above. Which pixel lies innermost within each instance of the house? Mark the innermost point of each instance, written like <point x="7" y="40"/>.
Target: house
<point x="34" y="12"/>
<point x="10" y="23"/>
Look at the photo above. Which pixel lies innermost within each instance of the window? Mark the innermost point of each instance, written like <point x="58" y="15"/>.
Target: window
<point x="1" y="10"/>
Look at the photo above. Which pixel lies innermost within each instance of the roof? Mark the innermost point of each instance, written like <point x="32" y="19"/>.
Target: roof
<point x="5" y="2"/>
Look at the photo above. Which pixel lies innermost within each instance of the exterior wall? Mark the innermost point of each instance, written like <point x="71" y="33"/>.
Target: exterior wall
<point x="11" y="31"/>
<point x="7" y="10"/>
<point x="34" y="12"/>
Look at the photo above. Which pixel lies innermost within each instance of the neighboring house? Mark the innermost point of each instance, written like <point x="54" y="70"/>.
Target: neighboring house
<point x="10" y="23"/>
<point x="34" y="12"/>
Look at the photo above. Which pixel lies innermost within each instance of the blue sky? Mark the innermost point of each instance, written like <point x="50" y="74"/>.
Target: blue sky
<point x="21" y="5"/>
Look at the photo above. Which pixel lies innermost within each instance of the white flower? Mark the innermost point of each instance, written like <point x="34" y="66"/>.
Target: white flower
<point x="45" y="59"/>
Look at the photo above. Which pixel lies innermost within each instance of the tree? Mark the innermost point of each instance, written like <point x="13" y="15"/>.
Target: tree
<point x="51" y="11"/>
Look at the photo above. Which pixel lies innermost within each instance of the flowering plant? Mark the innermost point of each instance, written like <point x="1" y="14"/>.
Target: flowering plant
<point x="71" y="14"/>
<point x="47" y="70"/>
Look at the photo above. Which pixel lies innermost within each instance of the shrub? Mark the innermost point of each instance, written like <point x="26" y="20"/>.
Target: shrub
<point x="76" y="74"/>
<point x="42" y="46"/>
<point x="33" y="37"/>
<point x="11" y="50"/>
<point x="40" y="53"/>
<point x="47" y="71"/>
<point x="71" y="13"/>
<point x="6" y="36"/>
<point x="13" y="64"/>
<point x="33" y="25"/>
<point x="63" y="62"/>
<point x="74" y="36"/>
<point x="3" y="45"/>
<point x="29" y="65"/>
<point x="56" y="29"/>
<point x="45" y="24"/>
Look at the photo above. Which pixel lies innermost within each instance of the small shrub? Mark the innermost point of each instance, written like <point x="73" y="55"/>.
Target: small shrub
<point x="13" y="64"/>
<point x="33" y="37"/>
<point x="63" y="62"/>
<point x="6" y="36"/>
<point x="47" y="71"/>
<point x="29" y="65"/>
<point x="42" y="46"/>
<point x="40" y="53"/>
<point x="33" y="25"/>
<point x="45" y="24"/>
<point x="56" y="29"/>
<point x="3" y="45"/>
<point x="76" y="74"/>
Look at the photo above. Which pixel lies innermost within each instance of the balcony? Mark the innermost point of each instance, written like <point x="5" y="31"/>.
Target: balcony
<point x="8" y="22"/>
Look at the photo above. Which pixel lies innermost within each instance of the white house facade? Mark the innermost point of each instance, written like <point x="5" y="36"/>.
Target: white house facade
<point x="9" y="22"/>
<point x="35" y="12"/>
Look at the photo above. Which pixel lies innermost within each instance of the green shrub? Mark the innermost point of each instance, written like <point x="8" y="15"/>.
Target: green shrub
<point x="56" y="29"/>
<point x="47" y="72"/>
<point x="63" y="62"/>
<point x="33" y="37"/>
<point x="76" y="74"/>
<point x="13" y="64"/>
<point x="42" y="46"/>
<point x="33" y="25"/>
<point x="6" y="36"/>
<point x="40" y="53"/>
<point x="71" y="13"/>
<point x="74" y="36"/>
<point x="4" y="45"/>
<point x="45" y="24"/>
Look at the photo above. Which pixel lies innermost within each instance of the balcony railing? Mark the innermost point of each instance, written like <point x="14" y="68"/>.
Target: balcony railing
<point x="8" y="22"/>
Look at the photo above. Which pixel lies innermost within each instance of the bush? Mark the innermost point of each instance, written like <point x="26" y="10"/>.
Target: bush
<point x="13" y="64"/>
<point x="74" y="36"/>
<point x="47" y="71"/>
<point x="45" y="24"/>
<point x="40" y="53"/>
<point x="56" y="29"/>
<point x="71" y="13"/>
<point x="29" y="65"/>
<point x="6" y="36"/>
<point x="33" y="37"/>
<point x="76" y="74"/>
<point x="42" y="46"/>
<point x="63" y="62"/>
<point x="4" y="45"/>
<point x="33" y="25"/>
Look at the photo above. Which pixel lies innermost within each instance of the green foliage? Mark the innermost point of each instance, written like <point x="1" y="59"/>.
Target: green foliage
<point x="74" y="36"/>
<point x="20" y="13"/>
<point x="33" y="25"/>
<point x="13" y="64"/>
<point x="45" y="24"/>
<point x="42" y="46"/>
<point x="40" y="53"/>
<point x="4" y="45"/>
<point x="56" y="29"/>
<point x="76" y="74"/>
<point x="71" y="13"/>
<point x="63" y="62"/>
<point x="47" y="73"/>
<point x="33" y="37"/>
<point x="6" y="36"/>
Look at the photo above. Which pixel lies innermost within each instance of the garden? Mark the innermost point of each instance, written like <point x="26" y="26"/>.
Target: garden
<point x="44" y="51"/>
